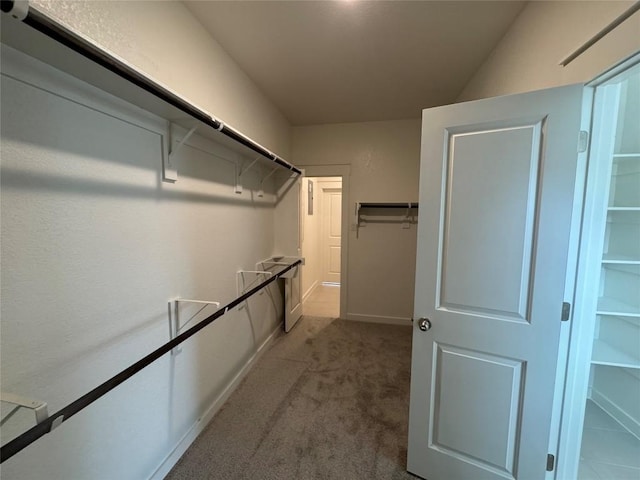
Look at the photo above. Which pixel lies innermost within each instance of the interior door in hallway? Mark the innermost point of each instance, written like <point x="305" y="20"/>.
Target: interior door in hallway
<point x="496" y="200"/>
<point x="330" y="243"/>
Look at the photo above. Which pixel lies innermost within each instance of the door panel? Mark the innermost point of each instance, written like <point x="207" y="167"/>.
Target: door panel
<point x="496" y="191"/>
<point x="467" y="379"/>
<point x="331" y="229"/>
<point x="498" y="216"/>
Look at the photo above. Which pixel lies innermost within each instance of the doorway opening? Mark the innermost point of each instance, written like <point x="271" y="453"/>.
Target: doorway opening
<point x="321" y="245"/>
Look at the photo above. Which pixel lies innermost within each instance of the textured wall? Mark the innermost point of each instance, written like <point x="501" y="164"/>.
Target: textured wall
<point x="527" y="57"/>
<point x="385" y="163"/>
<point x="93" y="246"/>
<point x="164" y="40"/>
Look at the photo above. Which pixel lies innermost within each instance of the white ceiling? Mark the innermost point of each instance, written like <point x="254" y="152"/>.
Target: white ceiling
<point x="357" y="60"/>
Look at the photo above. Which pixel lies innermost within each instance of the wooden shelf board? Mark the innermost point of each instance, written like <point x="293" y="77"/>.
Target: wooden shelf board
<point x="605" y="354"/>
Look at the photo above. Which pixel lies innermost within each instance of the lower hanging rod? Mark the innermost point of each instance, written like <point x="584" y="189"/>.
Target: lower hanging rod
<point x="41" y="429"/>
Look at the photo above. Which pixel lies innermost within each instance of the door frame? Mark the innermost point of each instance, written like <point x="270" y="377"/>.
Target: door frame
<point x="574" y="359"/>
<point x="343" y="171"/>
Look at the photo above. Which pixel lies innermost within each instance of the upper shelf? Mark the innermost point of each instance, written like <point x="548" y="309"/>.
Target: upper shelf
<point x="42" y="37"/>
<point x="620" y="259"/>
<point x="626" y="156"/>
<point x="612" y="306"/>
<point x="605" y="354"/>
<point x="407" y="206"/>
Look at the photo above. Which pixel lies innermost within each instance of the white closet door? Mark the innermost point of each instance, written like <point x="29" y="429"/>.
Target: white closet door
<point x="496" y="198"/>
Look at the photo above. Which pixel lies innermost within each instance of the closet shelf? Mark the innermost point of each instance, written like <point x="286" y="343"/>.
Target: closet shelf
<point x="612" y="306"/>
<point x="605" y="354"/>
<point x="612" y="258"/>
<point x="77" y="56"/>
<point x="406" y="206"/>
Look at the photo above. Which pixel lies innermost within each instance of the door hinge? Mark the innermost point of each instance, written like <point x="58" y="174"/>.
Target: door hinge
<point x="551" y="462"/>
<point x="566" y="311"/>
<point x="583" y="141"/>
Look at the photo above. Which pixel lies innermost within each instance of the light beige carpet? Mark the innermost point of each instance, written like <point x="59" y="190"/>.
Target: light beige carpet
<point x="330" y="400"/>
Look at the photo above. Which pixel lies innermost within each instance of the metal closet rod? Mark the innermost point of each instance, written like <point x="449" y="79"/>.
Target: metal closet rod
<point x="30" y="436"/>
<point x="389" y="205"/>
<point x="60" y="33"/>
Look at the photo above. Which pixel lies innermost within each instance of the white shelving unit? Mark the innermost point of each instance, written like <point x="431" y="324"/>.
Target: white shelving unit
<point x="614" y="371"/>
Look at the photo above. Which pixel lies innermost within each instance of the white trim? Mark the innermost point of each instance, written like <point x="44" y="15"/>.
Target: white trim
<point x="201" y="423"/>
<point x="562" y="376"/>
<point x="309" y="291"/>
<point x="359" y="317"/>
<point x="587" y="273"/>
<point x="620" y="67"/>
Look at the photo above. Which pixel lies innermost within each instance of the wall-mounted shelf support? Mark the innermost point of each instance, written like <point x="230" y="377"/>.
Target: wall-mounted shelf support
<point x="244" y="169"/>
<point x="169" y="171"/>
<point x="261" y="191"/>
<point x="241" y="170"/>
<point x="281" y="261"/>
<point x="174" y="317"/>
<point x="39" y="408"/>
<point x="240" y="289"/>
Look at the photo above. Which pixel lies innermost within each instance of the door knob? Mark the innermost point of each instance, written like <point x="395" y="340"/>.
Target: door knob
<point x="424" y="324"/>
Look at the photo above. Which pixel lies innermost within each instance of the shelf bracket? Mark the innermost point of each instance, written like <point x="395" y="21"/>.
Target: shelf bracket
<point x="240" y="289"/>
<point x="39" y="408"/>
<point x="241" y="170"/>
<point x="245" y="170"/>
<point x="406" y="224"/>
<point x="261" y="191"/>
<point x="356" y="222"/>
<point x="169" y="171"/>
<point x="174" y="317"/>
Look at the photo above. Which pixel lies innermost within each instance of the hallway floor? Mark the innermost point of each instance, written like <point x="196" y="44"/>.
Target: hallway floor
<point x="324" y="301"/>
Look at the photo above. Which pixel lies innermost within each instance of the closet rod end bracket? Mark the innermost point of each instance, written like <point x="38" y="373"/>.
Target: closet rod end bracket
<point x="18" y="9"/>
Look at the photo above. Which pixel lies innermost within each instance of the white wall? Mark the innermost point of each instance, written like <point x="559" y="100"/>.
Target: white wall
<point x="164" y="40"/>
<point x="94" y="245"/>
<point x="384" y="158"/>
<point x="527" y="57"/>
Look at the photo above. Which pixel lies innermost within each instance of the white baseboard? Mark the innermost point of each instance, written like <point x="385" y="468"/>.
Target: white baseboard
<point x="378" y="319"/>
<point x="200" y="424"/>
<point x="615" y="412"/>
<point x="310" y="291"/>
